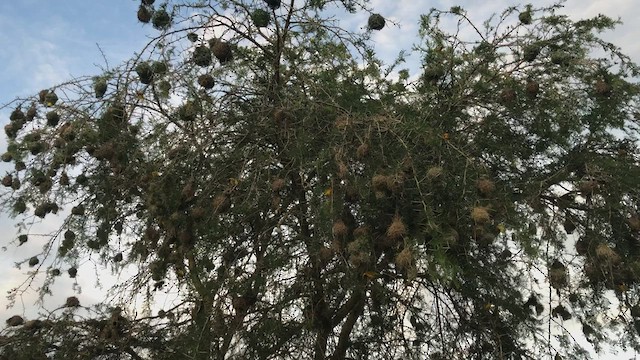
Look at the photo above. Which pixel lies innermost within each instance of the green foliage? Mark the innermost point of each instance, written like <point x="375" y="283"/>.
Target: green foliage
<point x="307" y="206"/>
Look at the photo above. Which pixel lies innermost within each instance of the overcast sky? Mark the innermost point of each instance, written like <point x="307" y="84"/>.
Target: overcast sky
<point x="46" y="42"/>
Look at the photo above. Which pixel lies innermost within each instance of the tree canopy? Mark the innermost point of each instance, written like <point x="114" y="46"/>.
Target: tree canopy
<point x="311" y="201"/>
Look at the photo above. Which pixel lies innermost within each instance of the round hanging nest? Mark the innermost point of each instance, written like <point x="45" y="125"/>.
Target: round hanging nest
<point x="222" y="51"/>
<point x="202" y="56"/>
<point x="273" y="4"/>
<point x="161" y="19"/>
<point x="100" y="87"/>
<point x="145" y="73"/>
<point x="144" y="14"/>
<point x="260" y="18"/>
<point x="206" y="81"/>
<point x="376" y="22"/>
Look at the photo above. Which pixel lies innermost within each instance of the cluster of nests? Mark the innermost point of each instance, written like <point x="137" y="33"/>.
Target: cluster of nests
<point x="18" y="118"/>
<point x="203" y="57"/>
<point x="202" y="54"/>
<point x="360" y="248"/>
<point x="159" y="18"/>
<point x="600" y="88"/>
<point x="17" y="320"/>
<point x="148" y="71"/>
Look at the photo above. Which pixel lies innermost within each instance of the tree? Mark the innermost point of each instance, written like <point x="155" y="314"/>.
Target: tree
<point x="309" y="204"/>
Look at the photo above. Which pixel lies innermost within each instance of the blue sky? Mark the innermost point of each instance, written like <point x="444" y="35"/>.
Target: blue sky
<point x="47" y="42"/>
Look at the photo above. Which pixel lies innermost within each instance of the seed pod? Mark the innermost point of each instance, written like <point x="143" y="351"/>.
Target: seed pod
<point x="376" y="22"/>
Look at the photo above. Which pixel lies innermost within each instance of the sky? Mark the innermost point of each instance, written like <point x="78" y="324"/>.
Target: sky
<point x="47" y="42"/>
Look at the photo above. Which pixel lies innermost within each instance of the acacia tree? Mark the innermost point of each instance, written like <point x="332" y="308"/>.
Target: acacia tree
<point x="309" y="204"/>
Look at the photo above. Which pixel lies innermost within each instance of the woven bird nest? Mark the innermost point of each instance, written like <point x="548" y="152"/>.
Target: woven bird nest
<point x="376" y="22"/>
<point x="144" y="14"/>
<point x="206" y="81"/>
<point x="161" y="19"/>
<point x="145" y="72"/>
<point x="222" y="51"/>
<point x="260" y="18"/>
<point x="273" y="4"/>
<point x="100" y="87"/>
<point x="202" y="56"/>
